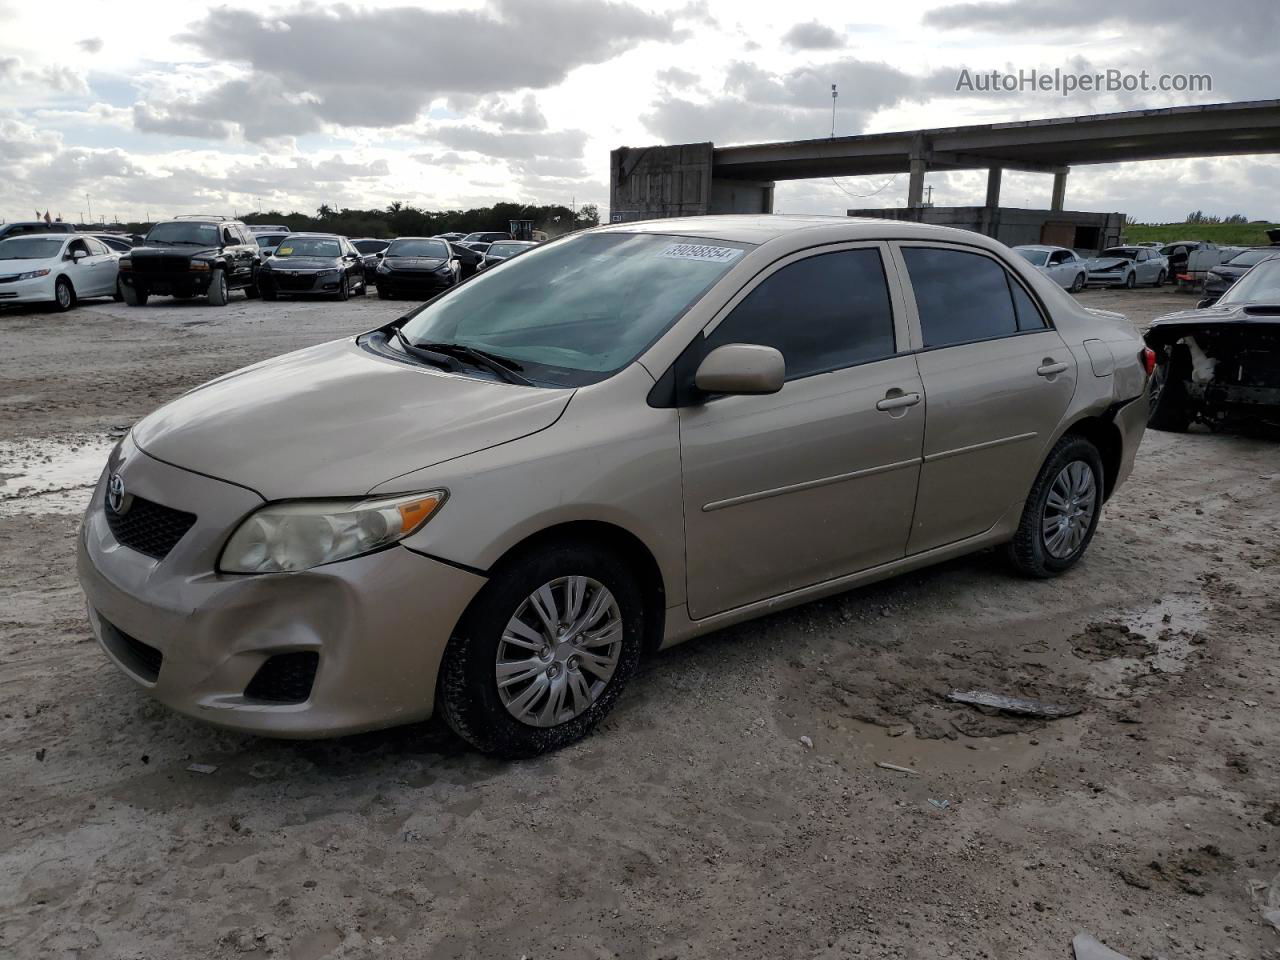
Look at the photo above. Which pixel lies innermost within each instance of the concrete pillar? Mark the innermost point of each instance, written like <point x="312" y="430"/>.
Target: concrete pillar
<point x="993" y="187"/>
<point x="915" y="186"/>
<point x="1059" y="190"/>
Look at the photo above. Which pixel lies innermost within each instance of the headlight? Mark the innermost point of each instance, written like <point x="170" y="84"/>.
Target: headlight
<point x="32" y="274"/>
<point x="1213" y="275"/>
<point x="383" y="268"/>
<point x="199" y="266"/>
<point x="124" y="263"/>
<point x="303" y="534"/>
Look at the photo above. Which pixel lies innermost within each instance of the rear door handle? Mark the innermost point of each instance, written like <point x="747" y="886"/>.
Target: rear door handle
<point x="898" y="401"/>
<point x="1050" y="368"/>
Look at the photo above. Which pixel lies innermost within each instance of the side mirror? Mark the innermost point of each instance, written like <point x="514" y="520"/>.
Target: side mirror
<point x="455" y="260"/>
<point x="1206" y="302"/>
<point x="78" y="255"/>
<point x="741" y="368"/>
<point x="379" y="254"/>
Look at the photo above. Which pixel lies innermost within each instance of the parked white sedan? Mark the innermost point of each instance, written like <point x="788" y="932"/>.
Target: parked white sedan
<point x="56" y="268"/>
<point x="1128" y="267"/>
<point x="1064" y="267"/>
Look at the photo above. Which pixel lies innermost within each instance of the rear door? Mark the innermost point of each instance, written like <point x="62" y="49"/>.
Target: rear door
<point x="819" y="479"/>
<point x="997" y="380"/>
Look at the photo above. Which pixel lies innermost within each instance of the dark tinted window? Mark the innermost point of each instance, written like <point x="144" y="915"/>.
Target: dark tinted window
<point x="823" y="313"/>
<point x="1028" y="314"/>
<point x="960" y="296"/>
<point x="370" y="246"/>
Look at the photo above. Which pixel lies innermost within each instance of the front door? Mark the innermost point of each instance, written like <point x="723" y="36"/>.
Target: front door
<point x="997" y="379"/>
<point x="819" y="479"/>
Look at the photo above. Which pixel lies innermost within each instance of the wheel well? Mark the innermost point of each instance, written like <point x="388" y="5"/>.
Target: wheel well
<point x="1104" y="435"/>
<point x="618" y="541"/>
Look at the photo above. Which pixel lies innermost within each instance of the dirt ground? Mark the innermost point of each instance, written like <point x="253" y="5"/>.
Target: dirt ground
<point x="698" y="822"/>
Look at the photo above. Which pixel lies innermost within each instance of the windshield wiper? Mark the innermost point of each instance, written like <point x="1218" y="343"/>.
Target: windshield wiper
<point x="504" y="367"/>
<point x="430" y="356"/>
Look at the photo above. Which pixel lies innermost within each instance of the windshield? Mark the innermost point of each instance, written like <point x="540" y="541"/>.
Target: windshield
<point x="575" y="311"/>
<point x="31" y="248"/>
<point x="1250" y="257"/>
<point x="428" y="249"/>
<point x="1259" y="285"/>
<point x="270" y="240"/>
<point x="369" y="246"/>
<point x="1123" y="253"/>
<point x="505" y="249"/>
<point x="308" y="247"/>
<point x="183" y="231"/>
<point x="1035" y="257"/>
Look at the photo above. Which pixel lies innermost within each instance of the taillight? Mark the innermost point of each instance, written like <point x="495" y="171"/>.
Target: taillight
<point x="1148" y="358"/>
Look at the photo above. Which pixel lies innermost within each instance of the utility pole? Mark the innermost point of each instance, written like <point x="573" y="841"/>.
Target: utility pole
<point x="834" y="93"/>
<point x="90" y="203"/>
<point x="928" y="198"/>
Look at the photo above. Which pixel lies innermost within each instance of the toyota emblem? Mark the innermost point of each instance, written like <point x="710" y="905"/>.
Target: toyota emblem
<point x="117" y="500"/>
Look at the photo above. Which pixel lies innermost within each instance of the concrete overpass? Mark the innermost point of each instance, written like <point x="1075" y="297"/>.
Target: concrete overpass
<point x="702" y="178"/>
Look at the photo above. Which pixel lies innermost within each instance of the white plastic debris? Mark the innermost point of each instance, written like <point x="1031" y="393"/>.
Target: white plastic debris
<point x="202" y="767"/>
<point x="1086" y="947"/>
<point x="807" y="743"/>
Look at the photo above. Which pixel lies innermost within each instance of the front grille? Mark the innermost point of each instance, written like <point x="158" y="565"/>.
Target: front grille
<point x="149" y="527"/>
<point x="298" y="284"/>
<point x="284" y="678"/>
<point x="161" y="265"/>
<point x="141" y="658"/>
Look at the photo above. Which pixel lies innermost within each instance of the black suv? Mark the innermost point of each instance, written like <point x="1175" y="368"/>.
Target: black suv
<point x="190" y="256"/>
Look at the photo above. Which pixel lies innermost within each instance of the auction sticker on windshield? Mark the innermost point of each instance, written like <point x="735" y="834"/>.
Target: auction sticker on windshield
<point x="702" y="252"/>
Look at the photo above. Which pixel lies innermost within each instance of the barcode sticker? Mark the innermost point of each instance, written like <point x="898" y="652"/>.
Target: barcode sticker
<point x="702" y="252"/>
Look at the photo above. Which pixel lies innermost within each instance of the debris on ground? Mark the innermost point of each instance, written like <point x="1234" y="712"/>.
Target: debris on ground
<point x="941" y="804"/>
<point x="202" y="767"/>
<point x="895" y="767"/>
<point x="1015" y="705"/>
<point x="1087" y="947"/>
<point x="807" y="742"/>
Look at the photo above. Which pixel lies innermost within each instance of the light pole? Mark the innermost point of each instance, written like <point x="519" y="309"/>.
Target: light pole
<point x="834" y="93"/>
<point x="90" y="203"/>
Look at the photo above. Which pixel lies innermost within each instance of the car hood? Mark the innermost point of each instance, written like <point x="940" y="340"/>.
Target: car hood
<point x="1227" y="270"/>
<point x="305" y="263"/>
<point x="181" y="250"/>
<point x="337" y="420"/>
<point x="414" y="263"/>
<point x="1171" y="326"/>
<point x="1104" y="263"/>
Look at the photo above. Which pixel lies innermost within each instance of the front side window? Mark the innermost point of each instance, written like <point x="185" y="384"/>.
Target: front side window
<point x="579" y="310"/>
<point x="960" y="297"/>
<point x="823" y="313"/>
<point x="308" y="247"/>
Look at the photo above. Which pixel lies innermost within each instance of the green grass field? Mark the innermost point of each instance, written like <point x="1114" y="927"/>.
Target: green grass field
<point x="1223" y="234"/>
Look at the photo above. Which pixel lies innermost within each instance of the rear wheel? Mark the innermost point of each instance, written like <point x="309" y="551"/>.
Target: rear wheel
<point x="64" y="295"/>
<point x="1061" y="512"/>
<point x="1171" y="409"/>
<point x="544" y="652"/>
<point x="133" y="296"/>
<point x="218" y="288"/>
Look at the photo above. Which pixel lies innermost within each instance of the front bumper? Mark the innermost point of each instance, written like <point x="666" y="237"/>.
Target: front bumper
<point x="168" y="284"/>
<point x="1107" y="279"/>
<point x="35" y="290"/>
<point x="195" y="639"/>
<point x="299" y="283"/>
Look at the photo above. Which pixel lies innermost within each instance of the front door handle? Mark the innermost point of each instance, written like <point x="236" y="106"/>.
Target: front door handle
<point x="1049" y="368"/>
<point x="898" y="401"/>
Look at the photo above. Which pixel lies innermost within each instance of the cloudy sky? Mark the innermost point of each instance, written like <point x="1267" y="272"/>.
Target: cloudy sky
<point x="159" y="108"/>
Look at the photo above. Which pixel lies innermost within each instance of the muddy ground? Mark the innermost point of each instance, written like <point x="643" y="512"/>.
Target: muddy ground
<point x="697" y="822"/>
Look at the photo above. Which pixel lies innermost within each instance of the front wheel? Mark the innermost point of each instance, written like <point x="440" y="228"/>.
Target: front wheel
<point x="1160" y="279"/>
<point x="1170" y="406"/>
<point x="1061" y="512"/>
<point x="1131" y="280"/>
<point x="1078" y="283"/>
<point x="64" y="295"/>
<point x="383" y="293"/>
<point x="133" y="296"/>
<point x="118" y="295"/>
<point x="544" y="652"/>
<point x="218" y="288"/>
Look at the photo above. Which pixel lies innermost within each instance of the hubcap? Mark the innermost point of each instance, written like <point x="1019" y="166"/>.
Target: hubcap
<point x="1069" y="510"/>
<point x="64" y="295"/>
<point x="559" y="651"/>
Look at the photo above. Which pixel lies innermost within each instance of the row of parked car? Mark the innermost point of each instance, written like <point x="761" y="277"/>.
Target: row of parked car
<point x="211" y="256"/>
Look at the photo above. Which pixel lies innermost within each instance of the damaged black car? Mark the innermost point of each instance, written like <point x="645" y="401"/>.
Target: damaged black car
<point x="1220" y="365"/>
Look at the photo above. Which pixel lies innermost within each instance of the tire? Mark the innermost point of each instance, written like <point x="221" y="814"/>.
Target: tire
<point x="364" y="287"/>
<point x="133" y="296"/>
<point x="252" y="292"/>
<point x="1160" y="279"/>
<point x="468" y="691"/>
<point x="344" y="289"/>
<point x="64" y="295"/>
<point x="218" y="287"/>
<point x="1070" y="478"/>
<point x="383" y="294"/>
<point x="118" y="296"/>
<point x="1171" y="409"/>
<point x="267" y="293"/>
<point x="1131" y="280"/>
<point x="1078" y="283"/>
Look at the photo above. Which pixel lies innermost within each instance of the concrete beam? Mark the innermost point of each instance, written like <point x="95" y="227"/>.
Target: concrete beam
<point x="973" y="161"/>
<point x="1059" y="191"/>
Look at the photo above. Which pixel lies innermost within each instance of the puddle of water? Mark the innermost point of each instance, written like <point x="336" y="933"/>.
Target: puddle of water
<point x="49" y="476"/>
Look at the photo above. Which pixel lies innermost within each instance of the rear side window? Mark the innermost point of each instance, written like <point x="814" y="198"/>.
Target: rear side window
<point x="1025" y="310"/>
<point x="822" y="313"/>
<point x="961" y="297"/>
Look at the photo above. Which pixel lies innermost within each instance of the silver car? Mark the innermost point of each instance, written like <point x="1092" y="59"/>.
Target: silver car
<point x="1064" y="267"/>
<point x="496" y="505"/>
<point x="1128" y="267"/>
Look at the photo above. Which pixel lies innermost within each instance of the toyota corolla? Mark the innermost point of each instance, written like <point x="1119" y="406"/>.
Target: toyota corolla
<point x="495" y="506"/>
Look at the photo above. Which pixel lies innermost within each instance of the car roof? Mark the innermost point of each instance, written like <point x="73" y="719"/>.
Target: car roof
<point x="318" y="236"/>
<point x="1037" y="246"/>
<point x="761" y="228"/>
